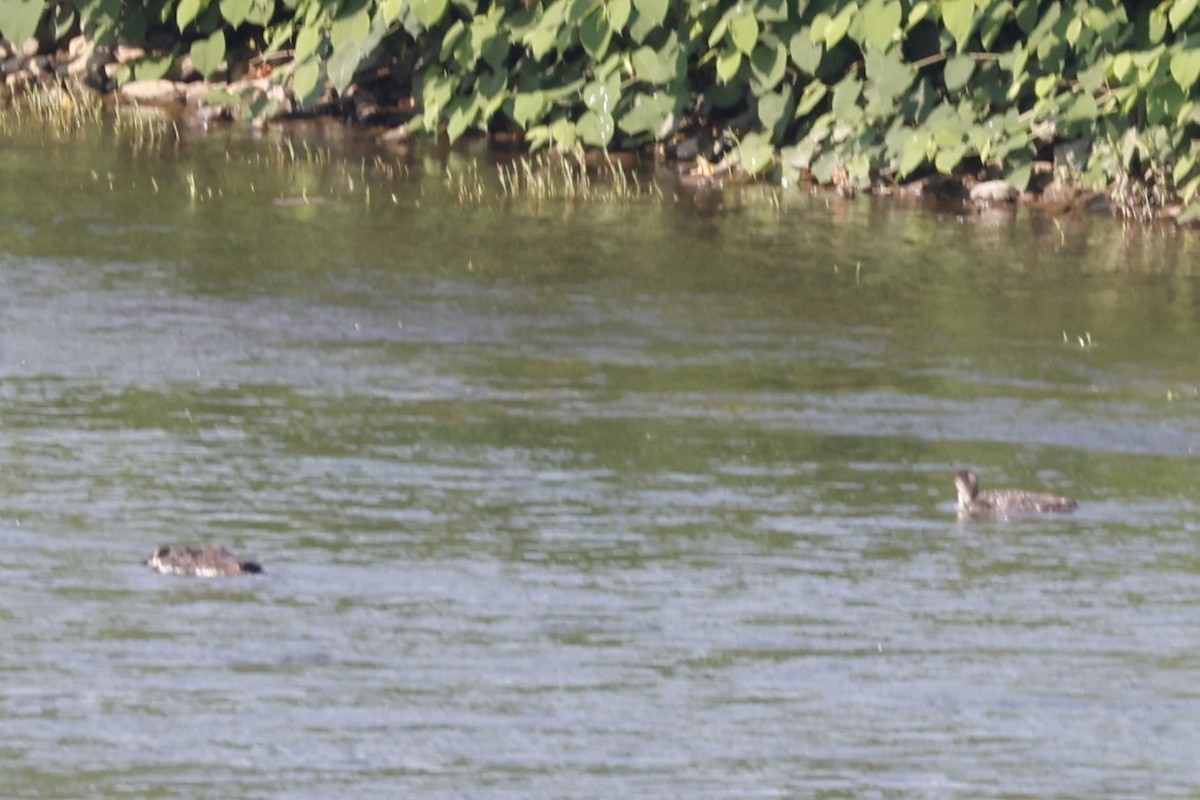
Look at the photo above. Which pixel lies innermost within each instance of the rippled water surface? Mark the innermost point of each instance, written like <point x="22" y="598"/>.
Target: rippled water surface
<point x="581" y="500"/>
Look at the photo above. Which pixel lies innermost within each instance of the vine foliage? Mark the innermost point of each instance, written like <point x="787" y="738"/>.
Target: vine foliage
<point x="838" y="89"/>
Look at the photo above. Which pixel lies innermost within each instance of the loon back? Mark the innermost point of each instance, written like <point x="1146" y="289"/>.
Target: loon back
<point x="207" y="561"/>
<point x="1001" y="502"/>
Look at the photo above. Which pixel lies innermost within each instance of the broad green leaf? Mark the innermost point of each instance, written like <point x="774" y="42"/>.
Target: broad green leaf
<point x="1121" y="64"/>
<point x="743" y="29"/>
<point x="845" y="96"/>
<point x="889" y="77"/>
<point x="772" y="110"/>
<point x="235" y="11"/>
<point x="390" y="10"/>
<point x="596" y="128"/>
<point x="881" y="23"/>
<point x="460" y="116"/>
<point x="649" y="67"/>
<point x="1185" y="68"/>
<point x="529" y="107"/>
<point x="813" y="93"/>
<point x="350" y="27"/>
<point x="1179" y="12"/>
<point x="959" y="17"/>
<point x="307" y="42"/>
<point x="1018" y="169"/>
<point x="207" y="54"/>
<point x="490" y="93"/>
<point x="1156" y="27"/>
<point x="728" y="61"/>
<point x="150" y="68"/>
<point x="429" y="12"/>
<point x="19" y="19"/>
<point x="806" y="53"/>
<point x="562" y="131"/>
<point x="818" y="26"/>
<point x="306" y="82"/>
<point x="595" y="34"/>
<point x="771" y="10"/>
<point x="653" y="11"/>
<point x="913" y="154"/>
<point x="617" y="12"/>
<point x="185" y="14"/>
<point x="958" y="72"/>
<point x="755" y="153"/>
<point x="648" y="114"/>
<point x="603" y="95"/>
<point x="260" y="12"/>
<point x="836" y="30"/>
<point x="768" y="63"/>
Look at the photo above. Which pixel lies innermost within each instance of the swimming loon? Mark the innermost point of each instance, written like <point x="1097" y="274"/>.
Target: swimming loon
<point x="207" y="561"/>
<point x="1001" y="502"/>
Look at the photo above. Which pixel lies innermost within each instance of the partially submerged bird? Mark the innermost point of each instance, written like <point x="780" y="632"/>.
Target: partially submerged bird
<point x="207" y="561"/>
<point x="1002" y="502"/>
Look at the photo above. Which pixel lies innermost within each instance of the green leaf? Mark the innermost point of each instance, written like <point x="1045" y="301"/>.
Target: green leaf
<point x="836" y="30"/>
<point x="772" y="110"/>
<point x="350" y="27"/>
<point x="595" y="34"/>
<point x="806" y="53"/>
<point x="306" y="82"/>
<point x="390" y="10"/>
<point x="813" y="94"/>
<point x="913" y="153"/>
<point x="529" y="107"/>
<point x="767" y="66"/>
<point x="1179" y="12"/>
<point x="958" y="72"/>
<point x="743" y="29"/>
<point x="460" y="115"/>
<point x="19" y="19"/>
<point x="207" y="54"/>
<point x="959" y="17"/>
<point x="617" y="12"/>
<point x="649" y="67"/>
<point x="596" y="128"/>
<point x="563" y="132"/>
<point x="648" y="114"/>
<point x="1018" y="169"/>
<point x="307" y="42"/>
<point x="185" y="13"/>
<point x="1185" y="68"/>
<point x="429" y="12"/>
<point x="845" y="96"/>
<point x="602" y="95"/>
<point x="1121" y="64"/>
<point x="235" y="11"/>
<point x="652" y="11"/>
<point x="728" y="61"/>
<point x="755" y="153"/>
<point x="881" y="23"/>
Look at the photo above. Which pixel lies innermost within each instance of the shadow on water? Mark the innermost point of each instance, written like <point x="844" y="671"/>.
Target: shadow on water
<point x="579" y="500"/>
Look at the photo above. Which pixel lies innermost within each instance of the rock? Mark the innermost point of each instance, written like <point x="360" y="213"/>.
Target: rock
<point x="999" y="191"/>
<point x="124" y="53"/>
<point x="152" y="93"/>
<point x="31" y="47"/>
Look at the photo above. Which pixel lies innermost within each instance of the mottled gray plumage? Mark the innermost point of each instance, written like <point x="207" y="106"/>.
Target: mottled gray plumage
<point x="1002" y="502"/>
<point x="207" y="561"/>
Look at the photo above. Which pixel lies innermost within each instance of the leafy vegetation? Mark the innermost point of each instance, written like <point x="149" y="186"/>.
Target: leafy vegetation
<point x="843" y="91"/>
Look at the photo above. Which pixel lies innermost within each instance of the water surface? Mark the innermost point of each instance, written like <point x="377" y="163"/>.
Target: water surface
<point x="568" y="499"/>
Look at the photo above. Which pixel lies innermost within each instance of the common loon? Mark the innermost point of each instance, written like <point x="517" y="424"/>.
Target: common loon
<point x="1001" y="502"/>
<point x="208" y="561"/>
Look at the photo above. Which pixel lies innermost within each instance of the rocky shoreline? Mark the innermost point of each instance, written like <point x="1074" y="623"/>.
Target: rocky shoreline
<point x="250" y="96"/>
